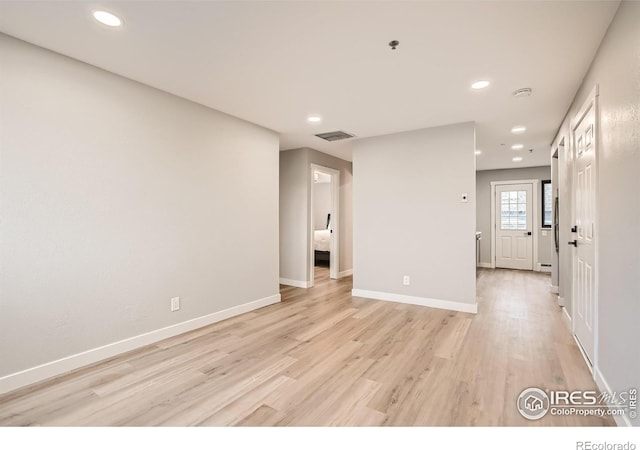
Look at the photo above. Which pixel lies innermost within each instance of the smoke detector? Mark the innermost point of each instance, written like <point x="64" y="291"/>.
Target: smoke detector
<point x="524" y="92"/>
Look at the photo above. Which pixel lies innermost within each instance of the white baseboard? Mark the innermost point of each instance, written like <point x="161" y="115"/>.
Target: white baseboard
<point x="586" y="359"/>
<point x="486" y="265"/>
<point x="621" y="421"/>
<point x="555" y="290"/>
<point x="61" y="366"/>
<point x="566" y="316"/>
<point x="420" y="301"/>
<point x="345" y="273"/>
<point x="295" y="283"/>
<point x="561" y="301"/>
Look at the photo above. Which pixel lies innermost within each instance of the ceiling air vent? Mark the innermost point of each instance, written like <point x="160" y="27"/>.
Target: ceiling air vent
<point x="524" y="92"/>
<point x="334" y="135"/>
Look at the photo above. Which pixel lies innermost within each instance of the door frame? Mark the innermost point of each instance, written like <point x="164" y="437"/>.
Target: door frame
<point x="334" y="246"/>
<point x="534" y="222"/>
<point x="591" y="100"/>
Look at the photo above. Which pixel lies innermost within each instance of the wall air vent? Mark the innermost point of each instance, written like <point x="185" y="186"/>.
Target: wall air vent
<point x="335" y="135"/>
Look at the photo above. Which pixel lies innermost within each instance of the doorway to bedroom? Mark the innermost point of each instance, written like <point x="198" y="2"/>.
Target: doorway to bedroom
<point x="324" y="238"/>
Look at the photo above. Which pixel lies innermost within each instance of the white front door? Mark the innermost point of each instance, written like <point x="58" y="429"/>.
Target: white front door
<point x="584" y="253"/>
<point x="514" y="226"/>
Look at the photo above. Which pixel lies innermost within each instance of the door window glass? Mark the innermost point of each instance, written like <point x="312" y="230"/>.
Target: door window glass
<point x="513" y="210"/>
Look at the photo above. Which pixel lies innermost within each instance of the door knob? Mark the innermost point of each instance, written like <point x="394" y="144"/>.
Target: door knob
<point x="574" y="229"/>
<point x="574" y="243"/>
<point x="528" y="233"/>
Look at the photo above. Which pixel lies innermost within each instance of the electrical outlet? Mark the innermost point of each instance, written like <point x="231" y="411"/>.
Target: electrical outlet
<point x="175" y="304"/>
<point x="406" y="280"/>
<point x="464" y="198"/>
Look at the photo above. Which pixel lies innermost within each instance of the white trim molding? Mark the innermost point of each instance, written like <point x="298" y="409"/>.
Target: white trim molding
<point x="420" y="301"/>
<point x="485" y="265"/>
<point x="295" y="283"/>
<point x="555" y="290"/>
<point x="61" y="366"/>
<point x="565" y="315"/>
<point x="587" y="361"/>
<point x="621" y="421"/>
<point x="345" y="273"/>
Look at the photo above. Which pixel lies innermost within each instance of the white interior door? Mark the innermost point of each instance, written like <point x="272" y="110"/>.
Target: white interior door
<point x="514" y="226"/>
<point x="584" y="255"/>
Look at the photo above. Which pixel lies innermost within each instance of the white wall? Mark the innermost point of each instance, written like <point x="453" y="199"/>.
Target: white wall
<point x="116" y="197"/>
<point x="615" y="70"/>
<point x="321" y="205"/>
<point x="295" y="212"/>
<point x="483" y="193"/>
<point x="294" y="260"/>
<point x="408" y="217"/>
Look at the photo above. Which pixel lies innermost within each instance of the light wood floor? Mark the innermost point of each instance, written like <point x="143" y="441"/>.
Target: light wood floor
<point x="322" y="357"/>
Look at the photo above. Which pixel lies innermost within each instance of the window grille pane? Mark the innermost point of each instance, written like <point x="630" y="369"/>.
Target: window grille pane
<point x="513" y="210"/>
<point x="522" y="196"/>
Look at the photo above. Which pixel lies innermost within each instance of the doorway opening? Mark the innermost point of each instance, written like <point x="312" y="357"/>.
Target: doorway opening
<point x="324" y="223"/>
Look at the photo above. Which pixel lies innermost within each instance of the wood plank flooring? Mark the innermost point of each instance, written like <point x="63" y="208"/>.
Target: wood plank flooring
<point x="322" y="357"/>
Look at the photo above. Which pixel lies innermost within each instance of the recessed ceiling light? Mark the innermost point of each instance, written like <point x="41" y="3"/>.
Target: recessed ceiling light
<point x="517" y="147"/>
<point x="106" y="18"/>
<point x="478" y="152"/>
<point x="480" y="84"/>
<point x="518" y="129"/>
<point x="314" y="119"/>
<point x="517" y="159"/>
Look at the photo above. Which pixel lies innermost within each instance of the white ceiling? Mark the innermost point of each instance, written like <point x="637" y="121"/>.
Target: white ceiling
<point x="274" y="63"/>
